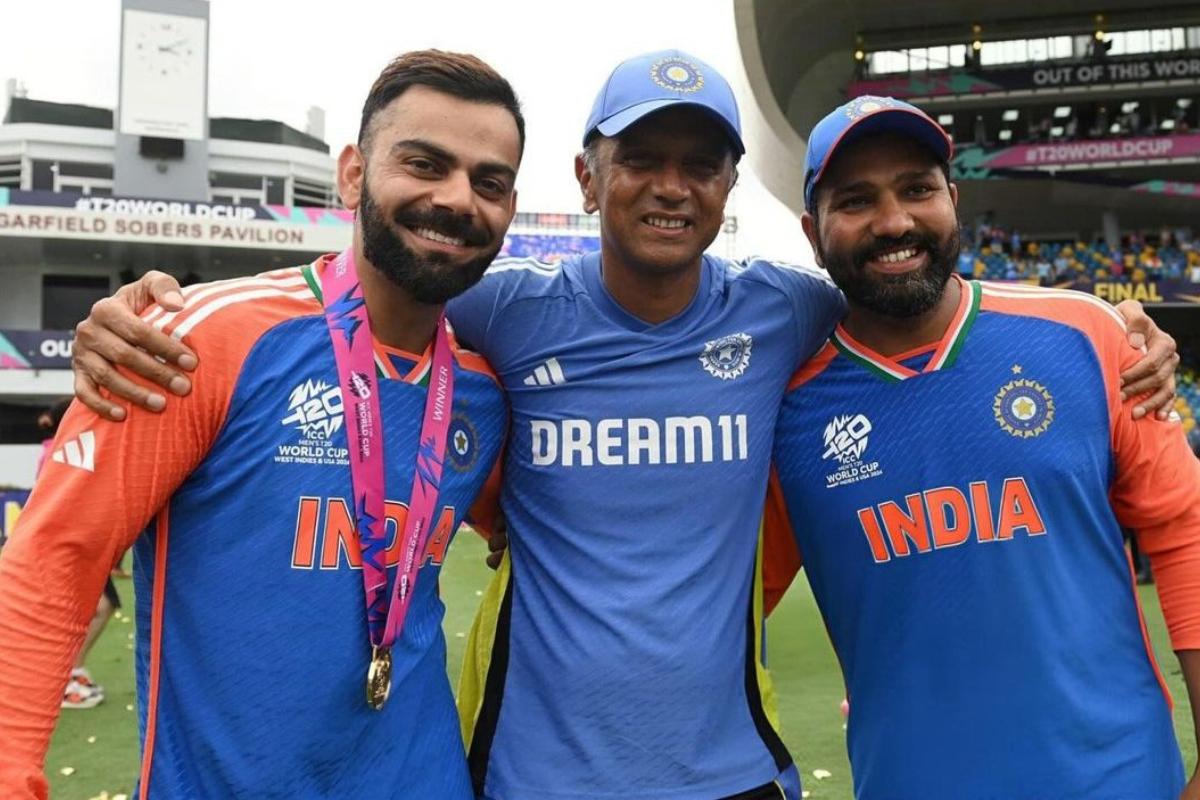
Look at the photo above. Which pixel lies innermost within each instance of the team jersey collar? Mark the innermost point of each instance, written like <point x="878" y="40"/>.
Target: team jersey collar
<point x="947" y="348"/>
<point x="390" y="362"/>
<point x="591" y="273"/>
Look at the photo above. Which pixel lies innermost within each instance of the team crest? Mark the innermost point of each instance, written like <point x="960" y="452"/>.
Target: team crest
<point x="677" y="75"/>
<point x="1023" y="408"/>
<point x="867" y="104"/>
<point x="461" y="443"/>
<point x="727" y="358"/>
<point x="846" y="438"/>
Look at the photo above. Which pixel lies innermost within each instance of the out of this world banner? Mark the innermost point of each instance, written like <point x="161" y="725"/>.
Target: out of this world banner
<point x="21" y="349"/>
<point x="1043" y="76"/>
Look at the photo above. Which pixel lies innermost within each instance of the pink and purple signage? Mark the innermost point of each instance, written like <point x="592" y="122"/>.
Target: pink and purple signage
<point x="1097" y="151"/>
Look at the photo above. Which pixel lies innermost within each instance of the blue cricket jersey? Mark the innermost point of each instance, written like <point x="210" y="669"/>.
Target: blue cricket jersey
<point x="958" y="511"/>
<point x="619" y="657"/>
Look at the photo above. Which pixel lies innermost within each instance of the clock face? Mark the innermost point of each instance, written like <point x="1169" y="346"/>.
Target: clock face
<point x="163" y="75"/>
<point x="167" y="48"/>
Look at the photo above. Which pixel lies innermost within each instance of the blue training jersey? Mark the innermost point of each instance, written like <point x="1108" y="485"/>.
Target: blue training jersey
<point x="252" y="644"/>
<point x="618" y="655"/>
<point x="958" y="511"/>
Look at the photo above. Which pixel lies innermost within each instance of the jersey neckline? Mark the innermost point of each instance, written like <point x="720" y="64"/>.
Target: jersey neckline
<point x="388" y="360"/>
<point x="591" y="274"/>
<point x="946" y="349"/>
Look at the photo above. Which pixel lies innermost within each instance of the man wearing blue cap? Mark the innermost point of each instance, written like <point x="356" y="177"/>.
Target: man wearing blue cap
<point x="956" y="466"/>
<point x="617" y="651"/>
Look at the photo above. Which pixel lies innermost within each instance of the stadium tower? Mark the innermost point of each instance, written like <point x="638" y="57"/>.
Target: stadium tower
<point x="1076" y="128"/>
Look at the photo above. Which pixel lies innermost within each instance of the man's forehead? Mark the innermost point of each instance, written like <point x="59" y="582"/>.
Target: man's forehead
<point x="469" y="129"/>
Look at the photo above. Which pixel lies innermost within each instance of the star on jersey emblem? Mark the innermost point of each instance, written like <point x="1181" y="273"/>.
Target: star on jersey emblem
<point x="728" y="357"/>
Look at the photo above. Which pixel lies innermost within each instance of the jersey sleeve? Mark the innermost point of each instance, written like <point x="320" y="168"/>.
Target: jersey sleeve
<point x="102" y="485"/>
<point x="1156" y="493"/>
<point x="781" y="554"/>
<point x="817" y="305"/>
<point x="472" y="313"/>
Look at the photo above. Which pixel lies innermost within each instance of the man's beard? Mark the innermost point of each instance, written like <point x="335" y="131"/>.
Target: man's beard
<point x="432" y="279"/>
<point x="902" y="296"/>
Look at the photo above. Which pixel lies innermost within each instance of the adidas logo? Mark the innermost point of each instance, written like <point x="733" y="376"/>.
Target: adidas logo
<point x="548" y="374"/>
<point x="79" y="452"/>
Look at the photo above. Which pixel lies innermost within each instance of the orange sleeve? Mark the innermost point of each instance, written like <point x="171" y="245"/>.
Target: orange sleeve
<point x="485" y="511"/>
<point x="781" y="555"/>
<point x="1155" y="492"/>
<point x="102" y="485"/>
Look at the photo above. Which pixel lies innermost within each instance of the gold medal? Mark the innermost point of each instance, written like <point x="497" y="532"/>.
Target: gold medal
<point x="379" y="677"/>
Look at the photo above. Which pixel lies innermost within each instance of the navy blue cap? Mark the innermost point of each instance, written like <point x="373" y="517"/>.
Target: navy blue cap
<point x="863" y="115"/>
<point x="644" y="84"/>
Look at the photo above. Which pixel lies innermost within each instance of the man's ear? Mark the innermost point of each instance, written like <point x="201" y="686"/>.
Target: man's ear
<point x="587" y="184"/>
<point x="809" y="223"/>
<point x="351" y="171"/>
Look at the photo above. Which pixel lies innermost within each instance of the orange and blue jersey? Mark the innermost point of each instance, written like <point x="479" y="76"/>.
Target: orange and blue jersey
<point x="252" y="645"/>
<point x="958" y="510"/>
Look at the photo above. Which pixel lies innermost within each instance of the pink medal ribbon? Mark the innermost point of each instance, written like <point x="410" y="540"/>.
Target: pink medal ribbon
<point x="353" y="351"/>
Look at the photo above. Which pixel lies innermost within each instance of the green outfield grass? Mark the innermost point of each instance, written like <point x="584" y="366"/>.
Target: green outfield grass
<point x="804" y="669"/>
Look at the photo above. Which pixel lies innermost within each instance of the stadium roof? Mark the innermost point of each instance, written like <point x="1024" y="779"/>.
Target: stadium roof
<point x="267" y="131"/>
<point x="798" y="55"/>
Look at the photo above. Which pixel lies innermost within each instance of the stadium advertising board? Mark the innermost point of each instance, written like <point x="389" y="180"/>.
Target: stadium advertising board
<point x="21" y="349"/>
<point x="976" y="162"/>
<point x="1148" y="292"/>
<point x="1095" y="151"/>
<point x="1035" y="77"/>
<point x="40" y="214"/>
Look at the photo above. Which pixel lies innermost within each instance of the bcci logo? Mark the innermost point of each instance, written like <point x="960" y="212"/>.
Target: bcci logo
<point x="846" y="438"/>
<point x="727" y="358"/>
<point x="677" y="75"/>
<point x="315" y="409"/>
<point x="460" y="449"/>
<point x="1023" y="408"/>
<point x="867" y="104"/>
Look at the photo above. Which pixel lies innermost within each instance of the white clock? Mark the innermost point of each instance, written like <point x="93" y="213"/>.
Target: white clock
<point x="163" y="75"/>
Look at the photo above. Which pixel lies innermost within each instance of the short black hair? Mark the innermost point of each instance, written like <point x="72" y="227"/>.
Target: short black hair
<point x="460" y="75"/>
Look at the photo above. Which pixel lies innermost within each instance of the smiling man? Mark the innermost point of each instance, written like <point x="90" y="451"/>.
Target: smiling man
<point x="262" y="616"/>
<point x="955" y="467"/>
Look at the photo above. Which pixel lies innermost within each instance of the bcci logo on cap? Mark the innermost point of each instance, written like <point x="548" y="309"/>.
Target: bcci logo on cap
<point x="867" y="104"/>
<point x="677" y="75"/>
<point x="727" y="358"/>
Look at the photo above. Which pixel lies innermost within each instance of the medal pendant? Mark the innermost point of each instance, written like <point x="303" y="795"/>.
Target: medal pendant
<point x="379" y="677"/>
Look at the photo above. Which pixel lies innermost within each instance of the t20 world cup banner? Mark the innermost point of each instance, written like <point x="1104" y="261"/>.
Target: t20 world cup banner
<point x="976" y="162"/>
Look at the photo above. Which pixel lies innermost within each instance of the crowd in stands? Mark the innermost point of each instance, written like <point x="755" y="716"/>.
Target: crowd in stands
<point x="1187" y="400"/>
<point x="993" y="253"/>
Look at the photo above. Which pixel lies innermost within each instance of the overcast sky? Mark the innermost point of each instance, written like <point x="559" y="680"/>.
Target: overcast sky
<point x="275" y="58"/>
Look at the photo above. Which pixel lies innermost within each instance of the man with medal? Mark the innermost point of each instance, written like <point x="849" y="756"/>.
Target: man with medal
<point x="618" y="651"/>
<point x="284" y="556"/>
